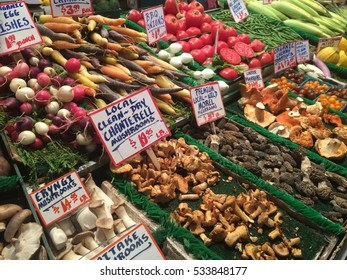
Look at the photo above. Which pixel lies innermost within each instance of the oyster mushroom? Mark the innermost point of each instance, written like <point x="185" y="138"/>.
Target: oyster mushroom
<point x="280" y="250"/>
<point x="14" y="224"/>
<point x="87" y="239"/>
<point x="279" y="129"/>
<point x="240" y="233"/>
<point x="69" y="254"/>
<point x="258" y="114"/>
<point x="8" y="210"/>
<point x="331" y="148"/>
<point x="58" y="237"/>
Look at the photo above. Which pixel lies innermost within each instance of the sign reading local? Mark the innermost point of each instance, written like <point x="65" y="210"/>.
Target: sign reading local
<point x="71" y="8"/>
<point x="17" y="28"/>
<point x="238" y="10"/>
<point x="155" y="23"/>
<point x="138" y="244"/>
<point x="129" y="125"/>
<point x="207" y="103"/>
<point x="254" y="78"/>
<point x="302" y="51"/>
<point x="284" y="57"/>
<point x="328" y="42"/>
<point x="59" y="198"/>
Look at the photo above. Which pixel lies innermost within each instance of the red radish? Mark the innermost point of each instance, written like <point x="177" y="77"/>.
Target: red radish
<point x="14" y="135"/>
<point x="11" y="75"/>
<point x="43" y="80"/>
<point x="17" y="83"/>
<point x="43" y="63"/>
<point x="3" y="81"/>
<point x="70" y="106"/>
<point x="22" y="69"/>
<point x="53" y="129"/>
<point x="73" y="65"/>
<point x="38" y="144"/>
<point x="230" y="56"/>
<point x="79" y="93"/>
<point x="42" y="97"/>
<point x="10" y="128"/>
<point x="65" y="94"/>
<point x="25" y="94"/>
<point x="68" y="81"/>
<point x="78" y="113"/>
<point x="57" y="81"/>
<point x="26" y="108"/>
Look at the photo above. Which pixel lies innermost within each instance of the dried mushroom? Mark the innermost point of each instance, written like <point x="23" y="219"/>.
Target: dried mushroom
<point x="258" y="114"/>
<point x="331" y="148"/>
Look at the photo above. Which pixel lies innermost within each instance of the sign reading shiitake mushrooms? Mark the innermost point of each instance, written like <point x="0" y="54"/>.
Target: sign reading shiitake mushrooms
<point x="207" y="103"/>
<point x="129" y="125"/>
<point x="59" y="198"/>
<point x="137" y="244"/>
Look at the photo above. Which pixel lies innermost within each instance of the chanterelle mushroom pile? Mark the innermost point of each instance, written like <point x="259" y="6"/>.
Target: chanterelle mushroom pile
<point x="185" y="171"/>
<point x="227" y="218"/>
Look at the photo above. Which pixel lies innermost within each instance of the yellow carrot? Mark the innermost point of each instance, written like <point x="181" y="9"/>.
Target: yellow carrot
<point x="91" y="25"/>
<point x="94" y="78"/>
<point x="50" y="18"/>
<point x="98" y="39"/>
<point x="47" y="41"/>
<point x="87" y="64"/>
<point x="58" y="58"/>
<point x="83" y="80"/>
<point x="123" y="68"/>
<point x="106" y="20"/>
<point x="162" y="63"/>
<point x="166" y="108"/>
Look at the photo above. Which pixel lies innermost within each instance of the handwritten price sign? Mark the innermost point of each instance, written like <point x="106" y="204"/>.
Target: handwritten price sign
<point x="155" y="24"/>
<point x="238" y="10"/>
<point x="59" y="198"/>
<point x="71" y="8"/>
<point x="253" y="78"/>
<point x="285" y="57"/>
<point x="129" y="126"/>
<point x="302" y="51"/>
<point x="328" y="42"/>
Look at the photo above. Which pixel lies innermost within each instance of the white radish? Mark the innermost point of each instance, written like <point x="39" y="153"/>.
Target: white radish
<point x="176" y="62"/>
<point x="34" y="84"/>
<point x="186" y="58"/>
<point x="4" y="70"/>
<point x="84" y="139"/>
<point x="64" y="113"/>
<point x="41" y="128"/>
<point x="17" y="83"/>
<point x="65" y="94"/>
<point x="26" y="137"/>
<point x="52" y="107"/>
<point x="50" y="71"/>
<point x="25" y="94"/>
<point x="34" y="61"/>
<point x="207" y="73"/>
<point x="54" y="91"/>
<point x="223" y="86"/>
<point x="174" y="48"/>
<point x="197" y="74"/>
<point x="164" y="55"/>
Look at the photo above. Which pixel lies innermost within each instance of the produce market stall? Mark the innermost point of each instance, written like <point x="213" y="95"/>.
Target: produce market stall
<point x="101" y="139"/>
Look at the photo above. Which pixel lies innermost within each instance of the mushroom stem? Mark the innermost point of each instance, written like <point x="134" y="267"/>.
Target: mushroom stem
<point x="122" y="214"/>
<point x="207" y="241"/>
<point x="259" y="111"/>
<point x="2" y="226"/>
<point x="86" y="218"/>
<point x="190" y="196"/>
<point x="119" y="226"/>
<point x="198" y="189"/>
<point x="67" y="226"/>
<point x="106" y="225"/>
<point x="8" y="210"/>
<point x="241" y="232"/>
<point x="14" y="224"/>
<point x="58" y="237"/>
<point x="81" y="249"/>
<point x="69" y="254"/>
<point x="90" y="243"/>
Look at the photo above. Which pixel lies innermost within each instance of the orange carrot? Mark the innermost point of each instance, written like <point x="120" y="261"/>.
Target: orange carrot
<point x="114" y="73"/>
<point x="62" y="27"/>
<point x="154" y="69"/>
<point x="114" y="46"/>
<point x="127" y="31"/>
<point x="106" y="20"/>
<point x="63" y="45"/>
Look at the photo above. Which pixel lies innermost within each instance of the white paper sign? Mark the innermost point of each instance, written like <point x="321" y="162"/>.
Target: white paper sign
<point x="238" y="10"/>
<point x="129" y="126"/>
<point x="302" y="51"/>
<point x="284" y="57"/>
<point x="328" y="42"/>
<point x="254" y="78"/>
<point x="155" y="23"/>
<point x="138" y="244"/>
<point x="17" y="29"/>
<point x="59" y="198"/>
<point x="207" y="103"/>
<point x="71" y="8"/>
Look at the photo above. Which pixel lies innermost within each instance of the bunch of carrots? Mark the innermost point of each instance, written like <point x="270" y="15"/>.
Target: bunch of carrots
<point x="112" y="65"/>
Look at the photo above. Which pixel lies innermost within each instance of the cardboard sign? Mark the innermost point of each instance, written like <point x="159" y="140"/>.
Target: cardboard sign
<point x="267" y="2"/>
<point x="328" y="42"/>
<point x="207" y="103"/>
<point x="129" y="125"/>
<point x="254" y="78"/>
<point x="155" y="24"/>
<point x="17" y="28"/>
<point x="302" y="51"/>
<point x="59" y="198"/>
<point x="238" y="10"/>
<point x="138" y="244"/>
<point x="71" y="8"/>
<point x="284" y="57"/>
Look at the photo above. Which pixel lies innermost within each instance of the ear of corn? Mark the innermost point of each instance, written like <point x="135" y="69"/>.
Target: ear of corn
<point x="319" y="8"/>
<point x="303" y="6"/>
<point x="338" y="18"/>
<point x="292" y="11"/>
<point x="263" y="9"/>
<point x="330" y="24"/>
<point x="306" y="27"/>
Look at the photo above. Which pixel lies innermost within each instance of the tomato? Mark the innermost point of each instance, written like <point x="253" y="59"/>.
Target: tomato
<point x="272" y="53"/>
<point x="194" y="18"/>
<point x="206" y="18"/>
<point x="265" y="58"/>
<point x="169" y="37"/>
<point x="182" y="25"/>
<point x="205" y="27"/>
<point x="244" y="38"/>
<point x="181" y="15"/>
<point x="207" y="39"/>
<point x="232" y="41"/>
<point x="142" y="23"/>
<point x="230" y="56"/>
<point x="208" y="61"/>
<point x="244" y="49"/>
<point x="185" y="46"/>
<point x="181" y="34"/>
<point x="198" y="55"/>
<point x="221" y="45"/>
<point x="257" y="45"/>
<point x="195" y="43"/>
<point x="232" y="31"/>
<point x="223" y="32"/>
<point x="208" y="50"/>
<point x="254" y="63"/>
<point x="228" y="73"/>
<point x="183" y="6"/>
<point x="134" y="15"/>
<point x="192" y="31"/>
<point x="171" y="23"/>
<point x="170" y="7"/>
<point x="195" y="5"/>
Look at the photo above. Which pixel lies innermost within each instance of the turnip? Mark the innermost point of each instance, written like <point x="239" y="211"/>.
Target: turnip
<point x="26" y="137"/>
<point x="52" y="107"/>
<point x="17" y="83"/>
<point x="174" y="48"/>
<point x="207" y="73"/>
<point x="43" y="79"/>
<point x="26" y="108"/>
<point x="65" y="94"/>
<point x="25" y="94"/>
<point x="186" y="58"/>
<point x="164" y="55"/>
<point x="41" y="128"/>
<point x="22" y="69"/>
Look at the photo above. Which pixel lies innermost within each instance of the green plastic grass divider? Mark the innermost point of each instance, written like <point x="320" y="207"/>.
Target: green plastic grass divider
<point x="167" y="228"/>
<point x="300" y="207"/>
<point x="8" y="183"/>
